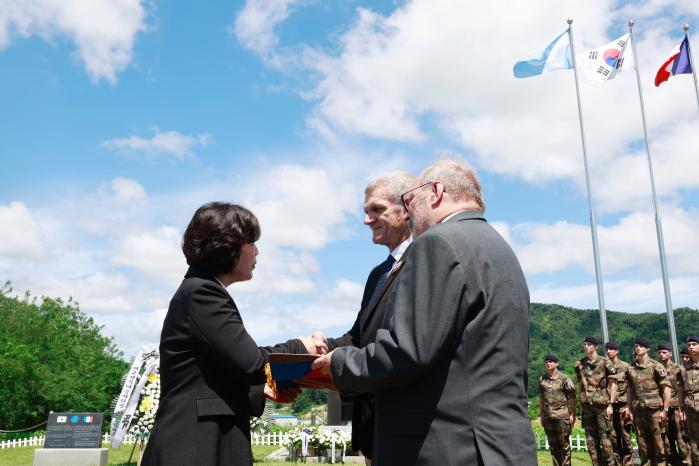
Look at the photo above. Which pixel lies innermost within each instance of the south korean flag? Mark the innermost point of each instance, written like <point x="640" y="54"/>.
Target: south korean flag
<point x="603" y="63"/>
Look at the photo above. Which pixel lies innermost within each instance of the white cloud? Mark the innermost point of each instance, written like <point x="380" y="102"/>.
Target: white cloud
<point x="431" y="57"/>
<point x="156" y="254"/>
<point x="623" y="295"/>
<point x="136" y="330"/>
<point x="21" y="235"/>
<point x="333" y="311"/>
<point x="346" y="293"/>
<point x="99" y="292"/>
<point x="301" y="206"/>
<point x="255" y="25"/>
<point x="171" y="143"/>
<point x="281" y="270"/>
<point x="630" y="243"/>
<point x="104" y="31"/>
<point x="447" y="64"/>
<point x="126" y="191"/>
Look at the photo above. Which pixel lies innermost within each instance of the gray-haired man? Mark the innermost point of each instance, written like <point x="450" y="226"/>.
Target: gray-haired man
<point x="384" y="216"/>
<point x="448" y="369"/>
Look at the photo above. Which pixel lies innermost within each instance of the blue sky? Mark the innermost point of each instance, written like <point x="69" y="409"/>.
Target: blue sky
<point x="121" y="117"/>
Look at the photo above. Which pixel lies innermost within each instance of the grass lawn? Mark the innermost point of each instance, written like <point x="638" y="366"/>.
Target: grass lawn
<point x="117" y="457"/>
<point x="579" y="458"/>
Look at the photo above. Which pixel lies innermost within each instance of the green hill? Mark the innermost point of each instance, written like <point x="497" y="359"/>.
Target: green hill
<point x="560" y="330"/>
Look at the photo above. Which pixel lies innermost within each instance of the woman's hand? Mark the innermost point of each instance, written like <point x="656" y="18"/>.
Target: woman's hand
<point x="317" y="343"/>
<point x="286" y="395"/>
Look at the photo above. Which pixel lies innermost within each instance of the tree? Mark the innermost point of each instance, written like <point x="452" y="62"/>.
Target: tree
<point x="307" y="399"/>
<point x="52" y="358"/>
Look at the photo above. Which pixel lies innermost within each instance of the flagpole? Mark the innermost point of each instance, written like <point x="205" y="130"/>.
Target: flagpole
<point x="691" y="62"/>
<point x="593" y="225"/>
<point x="658" y="224"/>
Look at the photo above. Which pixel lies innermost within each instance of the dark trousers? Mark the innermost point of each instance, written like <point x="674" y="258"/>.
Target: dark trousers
<point x="598" y="435"/>
<point x="676" y="446"/>
<point x="558" y="435"/>
<point x="621" y="436"/>
<point x="651" y="446"/>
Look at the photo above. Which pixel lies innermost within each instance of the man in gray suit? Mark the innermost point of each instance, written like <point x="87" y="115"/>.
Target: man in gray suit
<point x="449" y="367"/>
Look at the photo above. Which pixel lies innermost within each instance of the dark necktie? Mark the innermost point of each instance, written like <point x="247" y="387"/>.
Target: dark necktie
<point x="386" y="271"/>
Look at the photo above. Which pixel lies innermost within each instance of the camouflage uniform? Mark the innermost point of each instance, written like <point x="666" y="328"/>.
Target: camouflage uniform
<point x="594" y="399"/>
<point x="688" y="379"/>
<point x="675" y="445"/>
<point x="555" y="395"/>
<point x="621" y="430"/>
<point x="646" y="382"/>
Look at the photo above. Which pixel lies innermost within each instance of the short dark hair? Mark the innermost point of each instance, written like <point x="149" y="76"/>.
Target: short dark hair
<point x="215" y="235"/>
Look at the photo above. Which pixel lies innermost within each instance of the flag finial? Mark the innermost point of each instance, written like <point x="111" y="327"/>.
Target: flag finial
<point x="631" y="23"/>
<point x="570" y="21"/>
<point x="686" y="27"/>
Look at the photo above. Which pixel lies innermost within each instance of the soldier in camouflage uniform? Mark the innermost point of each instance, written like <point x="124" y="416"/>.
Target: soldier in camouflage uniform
<point x="621" y="429"/>
<point x="593" y="372"/>
<point x="688" y="382"/>
<point x="675" y="444"/>
<point x="684" y="354"/>
<point x="557" y="408"/>
<point x="648" y="395"/>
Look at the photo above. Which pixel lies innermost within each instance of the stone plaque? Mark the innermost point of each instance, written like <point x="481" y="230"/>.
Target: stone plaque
<point x="74" y="430"/>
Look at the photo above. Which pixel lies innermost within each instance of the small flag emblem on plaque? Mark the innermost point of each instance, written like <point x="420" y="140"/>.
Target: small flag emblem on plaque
<point x="61" y="419"/>
<point x="88" y="419"/>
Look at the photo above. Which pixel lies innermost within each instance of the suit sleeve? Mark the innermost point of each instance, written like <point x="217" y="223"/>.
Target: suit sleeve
<point x="294" y="346"/>
<point x="351" y="338"/>
<point x="425" y="318"/>
<point x="217" y="326"/>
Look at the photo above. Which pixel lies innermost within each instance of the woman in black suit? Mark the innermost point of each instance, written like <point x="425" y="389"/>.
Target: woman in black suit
<point x="212" y="372"/>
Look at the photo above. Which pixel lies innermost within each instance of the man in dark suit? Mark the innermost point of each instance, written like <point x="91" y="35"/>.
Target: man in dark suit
<point x="449" y="368"/>
<point x="384" y="215"/>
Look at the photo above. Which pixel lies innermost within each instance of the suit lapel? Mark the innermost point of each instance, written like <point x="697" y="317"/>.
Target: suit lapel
<point x="371" y="307"/>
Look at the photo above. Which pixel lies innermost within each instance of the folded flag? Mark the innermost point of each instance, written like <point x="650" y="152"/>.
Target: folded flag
<point x="678" y="63"/>
<point x="555" y="57"/>
<point x="294" y="370"/>
<point x="603" y="63"/>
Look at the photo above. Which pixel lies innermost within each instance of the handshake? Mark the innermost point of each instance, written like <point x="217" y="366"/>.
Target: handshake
<point x="316" y="344"/>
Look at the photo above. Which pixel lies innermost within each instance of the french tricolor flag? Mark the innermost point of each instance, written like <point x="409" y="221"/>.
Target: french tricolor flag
<point x="678" y="63"/>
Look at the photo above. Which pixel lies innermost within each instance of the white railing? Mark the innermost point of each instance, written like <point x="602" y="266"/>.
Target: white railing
<point x="577" y="442"/>
<point x="273" y="438"/>
<point x="25" y="442"/>
<point x="39" y="441"/>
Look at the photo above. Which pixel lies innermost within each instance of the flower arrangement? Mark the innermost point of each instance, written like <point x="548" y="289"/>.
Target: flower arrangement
<point x="257" y="424"/>
<point x="315" y="441"/>
<point x="144" y="416"/>
<point x="296" y="438"/>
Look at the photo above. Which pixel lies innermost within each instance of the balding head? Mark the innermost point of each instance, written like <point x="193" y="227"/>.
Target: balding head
<point x="445" y="187"/>
<point x="459" y="180"/>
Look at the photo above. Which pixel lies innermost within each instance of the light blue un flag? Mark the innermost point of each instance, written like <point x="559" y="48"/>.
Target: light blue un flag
<point x="556" y="57"/>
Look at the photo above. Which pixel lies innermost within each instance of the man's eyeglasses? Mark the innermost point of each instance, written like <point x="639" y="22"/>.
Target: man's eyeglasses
<point x="405" y="198"/>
